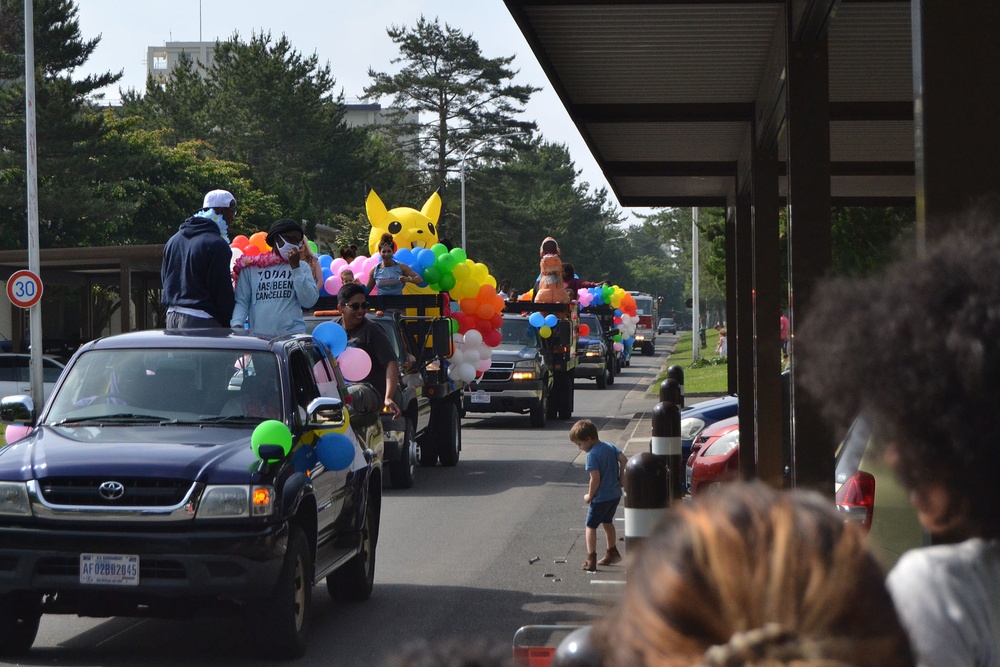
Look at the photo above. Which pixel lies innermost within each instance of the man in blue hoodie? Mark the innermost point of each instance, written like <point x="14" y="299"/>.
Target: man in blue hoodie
<point x="197" y="286"/>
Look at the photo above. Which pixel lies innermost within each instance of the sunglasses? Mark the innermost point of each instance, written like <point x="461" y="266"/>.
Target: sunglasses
<point x="357" y="306"/>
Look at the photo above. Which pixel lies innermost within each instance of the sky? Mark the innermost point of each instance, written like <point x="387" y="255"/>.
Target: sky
<point x="350" y="36"/>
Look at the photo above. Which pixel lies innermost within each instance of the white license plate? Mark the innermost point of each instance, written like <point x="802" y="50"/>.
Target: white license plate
<point x="480" y="397"/>
<point x="109" y="569"/>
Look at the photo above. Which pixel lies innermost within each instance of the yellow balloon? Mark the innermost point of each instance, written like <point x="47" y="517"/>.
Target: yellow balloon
<point x="461" y="272"/>
<point x="491" y="281"/>
<point x="545" y="331"/>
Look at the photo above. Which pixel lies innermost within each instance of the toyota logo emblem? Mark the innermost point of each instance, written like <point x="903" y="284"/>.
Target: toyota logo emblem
<point x="111" y="490"/>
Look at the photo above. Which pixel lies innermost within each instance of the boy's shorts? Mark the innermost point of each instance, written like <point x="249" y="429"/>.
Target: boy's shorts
<point x="603" y="512"/>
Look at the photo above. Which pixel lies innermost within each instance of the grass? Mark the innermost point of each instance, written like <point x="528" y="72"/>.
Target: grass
<point x="710" y="378"/>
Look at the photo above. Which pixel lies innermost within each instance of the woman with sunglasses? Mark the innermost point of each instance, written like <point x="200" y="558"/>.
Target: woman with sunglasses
<point x="273" y="288"/>
<point x="389" y="275"/>
<point x="362" y="334"/>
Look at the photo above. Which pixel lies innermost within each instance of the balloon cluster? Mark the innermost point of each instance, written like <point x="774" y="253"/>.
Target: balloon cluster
<point x="355" y="363"/>
<point x="544" y="323"/>
<point x="626" y="316"/>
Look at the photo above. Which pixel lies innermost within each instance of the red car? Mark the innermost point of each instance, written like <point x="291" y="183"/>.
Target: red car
<point x="715" y="456"/>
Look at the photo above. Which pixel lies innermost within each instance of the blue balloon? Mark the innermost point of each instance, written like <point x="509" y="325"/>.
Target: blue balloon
<point x="332" y="335"/>
<point x="405" y="256"/>
<point x="325" y="261"/>
<point x="618" y="312"/>
<point x="551" y="320"/>
<point x="426" y="258"/>
<point x="335" y="451"/>
<point x="536" y="320"/>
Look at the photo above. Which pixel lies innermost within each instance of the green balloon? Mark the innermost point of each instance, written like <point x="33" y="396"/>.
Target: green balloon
<point x="314" y="247"/>
<point x="447" y="282"/>
<point x="446" y="263"/>
<point x="432" y="274"/>
<point x="452" y="325"/>
<point x="439" y="249"/>
<point x="271" y="432"/>
<point x="459" y="255"/>
<point x="617" y="338"/>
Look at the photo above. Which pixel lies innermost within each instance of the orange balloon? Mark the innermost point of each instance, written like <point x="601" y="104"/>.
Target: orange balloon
<point x="259" y="239"/>
<point x="486" y="293"/>
<point x="485" y="311"/>
<point x="469" y="306"/>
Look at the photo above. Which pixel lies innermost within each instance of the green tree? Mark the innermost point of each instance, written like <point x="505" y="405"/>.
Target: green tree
<point x="465" y="96"/>
<point x="72" y="177"/>
<point x="515" y="200"/>
<point x="263" y="104"/>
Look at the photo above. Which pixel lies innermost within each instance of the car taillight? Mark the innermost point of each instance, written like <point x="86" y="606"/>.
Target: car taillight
<point x="856" y="499"/>
<point x="533" y="656"/>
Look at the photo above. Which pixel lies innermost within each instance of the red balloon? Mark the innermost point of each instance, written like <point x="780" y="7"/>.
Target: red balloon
<point x="484" y="327"/>
<point x="251" y="250"/>
<point x="492" y="338"/>
<point x="584" y="330"/>
<point x="496" y="321"/>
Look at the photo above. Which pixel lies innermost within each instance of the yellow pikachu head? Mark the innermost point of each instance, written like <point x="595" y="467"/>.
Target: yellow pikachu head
<point x="409" y="227"/>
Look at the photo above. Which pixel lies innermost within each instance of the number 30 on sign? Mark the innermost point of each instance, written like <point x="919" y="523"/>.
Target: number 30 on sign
<point x="24" y="289"/>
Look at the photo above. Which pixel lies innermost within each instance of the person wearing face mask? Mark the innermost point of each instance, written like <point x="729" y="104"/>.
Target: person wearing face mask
<point x="273" y="288"/>
<point x="197" y="291"/>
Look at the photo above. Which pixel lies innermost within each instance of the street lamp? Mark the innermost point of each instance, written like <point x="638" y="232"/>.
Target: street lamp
<point x="462" y="170"/>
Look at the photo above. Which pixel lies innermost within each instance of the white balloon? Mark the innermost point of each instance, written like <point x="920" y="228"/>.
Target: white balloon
<point x="485" y="352"/>
<point x="473" y="337"/>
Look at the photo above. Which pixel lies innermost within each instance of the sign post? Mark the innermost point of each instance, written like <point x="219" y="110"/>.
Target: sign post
<point x="24" y="289"/>
<point x="34" y="263"/>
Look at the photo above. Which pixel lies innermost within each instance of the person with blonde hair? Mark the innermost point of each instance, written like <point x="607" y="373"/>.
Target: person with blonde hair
<point x="753" y="576"/>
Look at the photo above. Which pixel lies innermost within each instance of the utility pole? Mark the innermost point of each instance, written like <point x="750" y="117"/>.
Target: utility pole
<point x="695" y="310"/>
<point x="35" y="311"/>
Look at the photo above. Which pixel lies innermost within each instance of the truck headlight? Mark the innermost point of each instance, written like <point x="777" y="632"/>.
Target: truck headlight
<point x="234" y="502"/>
<point x="14" y="499"/>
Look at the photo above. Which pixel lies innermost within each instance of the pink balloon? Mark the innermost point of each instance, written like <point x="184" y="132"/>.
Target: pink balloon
<point x="332" y="284"/>
<point x="15" y="432"/>
<point x="322" y="373"/>
<point x="338" y="265"/>
<point x="355" y="364"/>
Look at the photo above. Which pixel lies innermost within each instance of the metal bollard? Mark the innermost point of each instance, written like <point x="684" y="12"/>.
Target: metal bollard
<point x="666" y="442"/>
<point x="670" y="392"/>
<point x="675" y="372"/>
<point x="647" y="495"/>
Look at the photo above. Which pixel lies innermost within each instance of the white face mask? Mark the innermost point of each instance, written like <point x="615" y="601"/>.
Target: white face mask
<point x="284" y="247"/>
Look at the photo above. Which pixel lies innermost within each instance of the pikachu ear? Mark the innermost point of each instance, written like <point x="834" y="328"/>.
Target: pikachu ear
<point x="375" y="209"/>
<point x="432" y="207"/>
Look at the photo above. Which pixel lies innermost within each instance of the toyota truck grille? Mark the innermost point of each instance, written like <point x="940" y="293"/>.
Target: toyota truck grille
<point x="112" y="492"/>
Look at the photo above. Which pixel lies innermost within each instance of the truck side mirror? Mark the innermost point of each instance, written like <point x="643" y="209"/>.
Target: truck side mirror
<point x="442" y="345"/>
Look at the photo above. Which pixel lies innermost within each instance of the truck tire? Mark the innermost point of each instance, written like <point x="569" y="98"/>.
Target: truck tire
<point x="355" y="580"/>
<point x="284" y="618"/>
<point x="602" y="379"/>
<point x="19" y="618"/>
<point x="563" y="390"/>
<point x="428" y="450"/>
<point x="401" y="472"/>
<point x="539" y="413"/>
<point x="448" y="433"/>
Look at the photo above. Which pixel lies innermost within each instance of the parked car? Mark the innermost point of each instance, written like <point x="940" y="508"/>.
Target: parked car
<point x="715" y="456"/>
<point x="696" y="417"/>
<point x="181" y="470"/>
<point x="666" y="325"/>
<point x="15" y="377"/>
<point x="888" y="516"/>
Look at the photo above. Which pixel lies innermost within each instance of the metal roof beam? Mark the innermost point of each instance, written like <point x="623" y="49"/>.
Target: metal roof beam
<point x="664" y="113"/>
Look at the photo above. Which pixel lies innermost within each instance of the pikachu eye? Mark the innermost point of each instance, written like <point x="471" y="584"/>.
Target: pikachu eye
<point x="395" y="227"/>
<point x="430" y="226"/>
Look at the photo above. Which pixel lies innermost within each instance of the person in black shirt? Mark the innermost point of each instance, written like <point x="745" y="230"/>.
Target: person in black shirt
<point x="362" y="334"/>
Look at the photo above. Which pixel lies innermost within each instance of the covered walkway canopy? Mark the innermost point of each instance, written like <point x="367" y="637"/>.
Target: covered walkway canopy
<point x="759" y="104"/>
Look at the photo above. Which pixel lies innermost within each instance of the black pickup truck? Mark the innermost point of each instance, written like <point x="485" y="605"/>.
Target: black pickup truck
<point x="191" y="471"/>
<point x="430" y="428"/>
<point x="528" y="373"/>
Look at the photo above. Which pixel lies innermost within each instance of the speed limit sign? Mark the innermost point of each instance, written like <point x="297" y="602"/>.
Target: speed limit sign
<point x="24" y="288"/>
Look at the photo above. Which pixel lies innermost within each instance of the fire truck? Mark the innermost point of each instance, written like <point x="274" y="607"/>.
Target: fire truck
<point x="645" y="328"/>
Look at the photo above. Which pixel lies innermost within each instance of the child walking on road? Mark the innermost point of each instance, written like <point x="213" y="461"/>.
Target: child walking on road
<point x="606" y="464"/>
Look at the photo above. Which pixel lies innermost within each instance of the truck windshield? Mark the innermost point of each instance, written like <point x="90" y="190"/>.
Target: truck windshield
<point x="517" y="331"/>
<point x="594" y="324"/>
<point x="169" y="384"/>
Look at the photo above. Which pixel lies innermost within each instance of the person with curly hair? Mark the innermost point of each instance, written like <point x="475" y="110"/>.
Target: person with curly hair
<point x="749" y="575"/>
<point x="928" y="385"/>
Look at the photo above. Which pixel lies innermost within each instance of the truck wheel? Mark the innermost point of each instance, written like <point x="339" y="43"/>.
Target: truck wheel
<point x="563" y="389"/>
<point x="19" y="617"/>
<point x="602" y="379"/>
<point x="448" y="432"/>
<point x="401" y="472"/>
<point x="284" y="618"/>
<point x="540" y="411"/>
<point x="354" y="581"/>
<point x="427" y="451"/>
